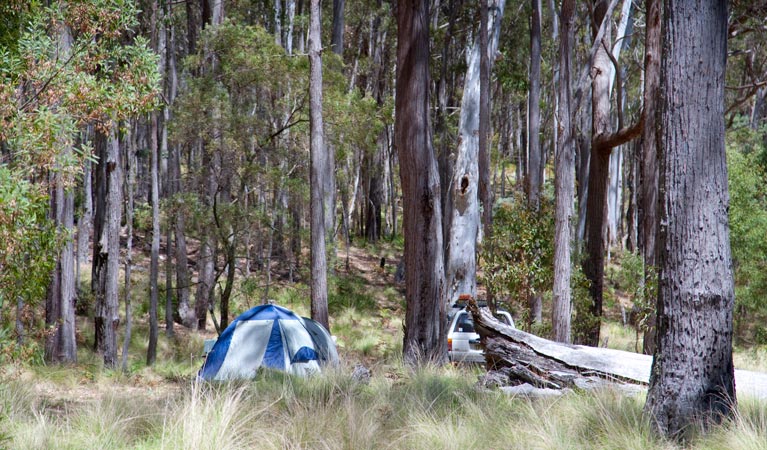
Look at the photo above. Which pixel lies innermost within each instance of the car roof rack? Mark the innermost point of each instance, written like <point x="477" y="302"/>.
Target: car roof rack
<point x="463" y="300"/>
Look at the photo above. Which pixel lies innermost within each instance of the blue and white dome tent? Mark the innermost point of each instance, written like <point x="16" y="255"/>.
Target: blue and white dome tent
<point x="269" y="336"/>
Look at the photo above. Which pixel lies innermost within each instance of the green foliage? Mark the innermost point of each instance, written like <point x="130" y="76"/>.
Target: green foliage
<point x="584" y="321"/>
<point x="80" y="70"/>
<point x="29" y="242"/>
<point x="518" y="259"/>
<point x="349" y="291"/>
<point x="748" y="228"/>
<point x="627" y="275"/>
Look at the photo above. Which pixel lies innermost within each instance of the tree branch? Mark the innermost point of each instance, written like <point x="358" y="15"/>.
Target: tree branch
<point x="610" y="141"/>
<point x="618" y="85"/>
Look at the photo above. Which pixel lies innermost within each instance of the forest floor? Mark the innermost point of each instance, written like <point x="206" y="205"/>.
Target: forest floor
<point x="88" y="406"/>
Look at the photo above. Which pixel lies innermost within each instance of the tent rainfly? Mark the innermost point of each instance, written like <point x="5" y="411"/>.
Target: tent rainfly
<point x="269" y="336"/>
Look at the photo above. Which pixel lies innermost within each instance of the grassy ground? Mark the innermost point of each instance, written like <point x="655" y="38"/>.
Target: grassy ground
<point x="87" y="406"/>
<point x="434" y="408"/>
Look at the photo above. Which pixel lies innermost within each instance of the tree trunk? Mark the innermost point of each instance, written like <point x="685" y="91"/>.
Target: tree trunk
<point x="131" y="181"/>
<point x="564" y="185"/>
<point x="207" y="264"/>
<point x="169" y="310"/>
<point x="535" y="165"/>
<point x="602" y="143"/>
<point x="425" y="320"/>
<point x="301" y="32"/>
<point x="649" y="167"/>
<point x="151" y="353"/>
<point x="99" y="259"/>
<point x="320" y="171"/>
<point x="444" y="160"/>
<point x="631" y="185"/>
<point x="461" y="270"/>
<point x="693" y="376"/>
<point x="485" y="189"/>
<point x="290" y="7"/>
<point x="187" y="313"/>
<point x="614" y="197"/>
<point x="337" y="41"/>
<point x="210" y="159"/>
<point x="278" y="22"/>
<point x="231" y="262"/>
<point x="84" y="222"/>
<point x="60" y="345"/>
<point x="108" y="247"/>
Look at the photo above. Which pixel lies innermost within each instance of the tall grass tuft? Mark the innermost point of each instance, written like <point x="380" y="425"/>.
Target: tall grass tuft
<point x="212" y="417"/>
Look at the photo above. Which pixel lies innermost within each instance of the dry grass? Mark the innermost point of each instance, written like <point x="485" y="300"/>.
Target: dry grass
<point x="399" y="409"/>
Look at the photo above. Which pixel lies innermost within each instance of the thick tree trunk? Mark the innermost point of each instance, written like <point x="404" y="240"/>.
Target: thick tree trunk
<point x="649" y="167"/>
<point x="461" y="272"/>
<point x="564" y="185"/>
<point x="425" y="320"/>
<point x="151" y="353"/>
<point x="319" y="173"/>
<point x="693" y="376"/>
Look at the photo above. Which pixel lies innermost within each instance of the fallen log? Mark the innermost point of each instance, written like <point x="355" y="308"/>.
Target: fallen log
<point x="516" y="358"/>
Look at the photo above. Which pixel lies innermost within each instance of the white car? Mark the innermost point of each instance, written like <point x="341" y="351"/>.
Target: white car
<point x="463" y="342"/>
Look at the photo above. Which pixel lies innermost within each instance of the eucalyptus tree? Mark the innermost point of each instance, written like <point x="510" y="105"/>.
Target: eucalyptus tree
<point x="649" y="146"/>
<point x="603" y="140"/>
<point x="564" y="184"/>
<point x="465" y="219"/>
<point x="319" y="172"/>
<point x="425" y="316"/>
<point x="692" y="379"/>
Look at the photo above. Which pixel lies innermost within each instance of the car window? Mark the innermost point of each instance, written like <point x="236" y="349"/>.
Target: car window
<point x="503" y="318"/>
<point x="464" y="324"/>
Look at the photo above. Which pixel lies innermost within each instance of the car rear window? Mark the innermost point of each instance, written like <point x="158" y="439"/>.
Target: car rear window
<point x="464" y="324"/>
